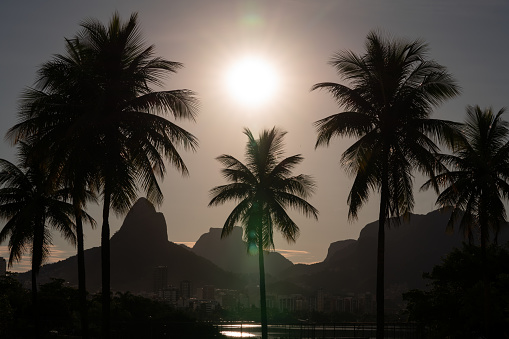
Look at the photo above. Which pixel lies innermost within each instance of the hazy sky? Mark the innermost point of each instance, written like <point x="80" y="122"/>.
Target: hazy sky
<point x="297" y="37"/>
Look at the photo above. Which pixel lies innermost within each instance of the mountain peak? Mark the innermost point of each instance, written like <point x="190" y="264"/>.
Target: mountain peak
<point x="143" y="225"/>
<point x="230" y="253"/>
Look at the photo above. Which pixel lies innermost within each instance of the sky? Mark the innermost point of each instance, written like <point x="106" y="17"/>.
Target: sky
<point x="295" y="37"/>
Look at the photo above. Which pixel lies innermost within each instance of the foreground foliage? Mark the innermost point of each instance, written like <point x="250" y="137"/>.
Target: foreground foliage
<point x="392" y="90"/>
<point x="95" y="113"/>
<point x="132" y="316"/>
<point x="453" y="305"/>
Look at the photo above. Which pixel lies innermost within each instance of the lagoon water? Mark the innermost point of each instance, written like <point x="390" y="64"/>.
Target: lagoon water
<point x="304" y="331"/>
<point x="327" y="331"/>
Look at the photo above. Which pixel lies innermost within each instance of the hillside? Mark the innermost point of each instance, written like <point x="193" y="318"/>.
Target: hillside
<point x="412" y="248"/>
<point x="230" y="253"/>
<point x="137" y="248"/>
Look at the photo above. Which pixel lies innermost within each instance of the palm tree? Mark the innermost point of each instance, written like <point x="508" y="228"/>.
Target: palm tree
<point x="392" y="91"/>
<point x="264" y="188"/>
<point x="477" y="184"/>
<point x="97" y="102"/>
<point x="32" y="205"/>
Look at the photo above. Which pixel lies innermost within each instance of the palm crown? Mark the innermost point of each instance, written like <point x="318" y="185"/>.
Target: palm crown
<point x="264" y="188"/>
<point x="96" y="105"/>
<point x="31" y="204"/>
<point x="393" y="89"/>
<point x="476" y="183"/>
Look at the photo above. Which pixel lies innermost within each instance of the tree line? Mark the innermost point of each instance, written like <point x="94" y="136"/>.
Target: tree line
<point x="94" y="129"/>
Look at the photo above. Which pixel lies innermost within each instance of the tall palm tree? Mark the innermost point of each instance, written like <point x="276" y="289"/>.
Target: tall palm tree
<point x="97" y="102"/>
<point x="392" y="90"/>
<point x="477" y="183"/>
<point x="264" y="188"/>
<point x="31" y="204"/>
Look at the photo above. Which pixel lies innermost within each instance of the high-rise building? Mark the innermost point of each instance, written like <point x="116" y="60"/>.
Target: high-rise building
<point x="169" y="295"/>
<point x="209" y="292"/>
<point x="160" y="278"/>
<point x="320" y="300"/>
<point x="3" y="267"/>
<point x="185" y="289"/>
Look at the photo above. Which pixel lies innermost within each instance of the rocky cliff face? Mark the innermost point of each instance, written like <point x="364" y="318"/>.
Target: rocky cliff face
<point x="230" y="253"/>
<point x="411" y="249"/>
<point x="137" y="248"/>
<point x="338" y="246"/>
<point x="142" y="227"/>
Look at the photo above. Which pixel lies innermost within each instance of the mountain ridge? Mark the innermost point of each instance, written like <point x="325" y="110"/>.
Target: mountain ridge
<point x="230" y="253"/>
<point x="141" y="244"/>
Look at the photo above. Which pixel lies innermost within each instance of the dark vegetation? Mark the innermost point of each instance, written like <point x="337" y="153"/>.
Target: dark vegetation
<point x="453" y="305"/>
<point x="131" y="316"/>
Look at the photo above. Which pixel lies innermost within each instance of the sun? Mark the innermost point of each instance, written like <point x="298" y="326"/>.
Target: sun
<point x="251" y="81"/>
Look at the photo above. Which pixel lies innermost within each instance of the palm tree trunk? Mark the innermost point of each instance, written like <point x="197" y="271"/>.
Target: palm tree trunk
<point x="484" y="230"/>
<point x="105" y="266"/>
<point x="37" y="250"/>
<point x="35" y="305"/>
<point x="81" y="272"/>
<point x="380" y="261"/>
<point x="263" y="297"/>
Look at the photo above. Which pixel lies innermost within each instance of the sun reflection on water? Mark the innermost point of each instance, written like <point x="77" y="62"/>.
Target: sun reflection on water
<point x="237" y="334"/>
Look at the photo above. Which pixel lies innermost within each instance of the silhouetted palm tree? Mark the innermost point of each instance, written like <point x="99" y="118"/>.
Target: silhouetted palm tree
<point x="32" y="205"/>
<point x="392" y="90"/>
<point x="477" y="182"/>
<point x="97" y="102"/>
<point x="264" y="188"/>
<point x="52" y="119"/>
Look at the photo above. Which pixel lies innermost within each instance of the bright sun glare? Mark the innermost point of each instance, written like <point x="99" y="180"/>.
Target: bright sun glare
<point x="252" y="81"/>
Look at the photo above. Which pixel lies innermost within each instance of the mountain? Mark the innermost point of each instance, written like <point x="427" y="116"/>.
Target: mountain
<point x="338" y="246"/>
<point x="230" y="253"/>
<point x="137" y="248"/>
<point x="141" y="244"/>
<point x="412" y="248"/>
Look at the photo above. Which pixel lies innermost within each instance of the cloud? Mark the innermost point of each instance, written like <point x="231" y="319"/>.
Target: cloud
<point x="298" y="257"/>
<point x="189" y="244"/>
<point x="56" y="254"/>
<point x="290" y="252"/>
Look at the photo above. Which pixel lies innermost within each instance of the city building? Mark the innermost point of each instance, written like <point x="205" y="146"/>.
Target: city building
<point x="160" y="278"/>
<point x="185" y="289"/>
<point x="208" y="292"/>
<point x="291" y="303"/>
<point x="169" y="295"/>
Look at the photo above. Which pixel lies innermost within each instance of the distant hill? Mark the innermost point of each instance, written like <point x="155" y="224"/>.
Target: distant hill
<point x="230" y="253"/>
<point x="412" y="248"/>
<point x="141" y="244"/>
<point x="137" y="248"/>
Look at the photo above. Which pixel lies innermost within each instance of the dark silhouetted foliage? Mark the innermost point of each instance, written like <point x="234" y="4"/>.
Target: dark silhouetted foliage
<point x="264" y="188"/>
<point x="391" y="92"/>
<point x="95" y="113"/>
<point x="452" y="307"/>
<point x="15" y="309"/>
<point x="132" y="316"/>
